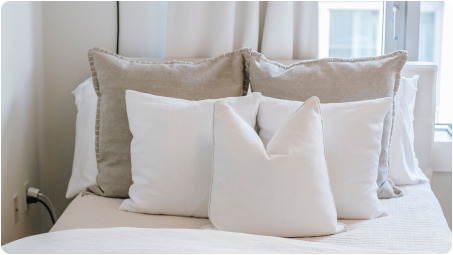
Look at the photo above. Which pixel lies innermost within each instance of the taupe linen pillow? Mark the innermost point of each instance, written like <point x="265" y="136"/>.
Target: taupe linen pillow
<point x="219" y="77"/>
<point x="335" y="80"/>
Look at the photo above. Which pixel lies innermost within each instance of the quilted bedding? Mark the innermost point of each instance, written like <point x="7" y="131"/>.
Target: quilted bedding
<point x="415" y="224"/>
<point x="160" y="240"/>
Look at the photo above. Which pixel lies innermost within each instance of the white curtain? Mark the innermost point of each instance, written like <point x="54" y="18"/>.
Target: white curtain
<point x="279" y="30"/>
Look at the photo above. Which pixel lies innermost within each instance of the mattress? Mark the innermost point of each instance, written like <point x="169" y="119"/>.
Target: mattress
<point x="415" y="222"/>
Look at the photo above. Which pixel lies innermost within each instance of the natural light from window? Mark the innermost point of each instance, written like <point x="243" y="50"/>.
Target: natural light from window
<point x="350" y="29"/>
<point x="355" y="29"/>
<point x="435" y="45"/>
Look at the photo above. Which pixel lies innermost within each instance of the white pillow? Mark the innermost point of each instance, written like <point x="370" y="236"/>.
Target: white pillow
<point x="352" y="137"/>
<point x="279" y="191"/>
<point x="171" y="151"/>
<point x="404" y="167"/>
<point x="84" y="166"/>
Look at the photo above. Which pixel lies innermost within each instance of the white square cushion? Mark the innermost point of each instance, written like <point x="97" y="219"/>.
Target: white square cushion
<point x="171" y="151"/>
<point x="352" y="138"/>
<point x="404" y="167"/>
<point x="282" y="190"/>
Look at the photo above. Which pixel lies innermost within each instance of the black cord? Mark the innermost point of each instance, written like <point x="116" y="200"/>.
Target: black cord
<point x="117" y="26"/>
<point x="48" y="209"/>
<point x="32" y="200"/>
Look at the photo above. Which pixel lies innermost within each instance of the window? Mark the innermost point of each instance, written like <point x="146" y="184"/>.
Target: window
<point x="350" y="29"/>
<point x="363" y="29"/>
<point x="435" y="46"/>
<point x="426" y="43"/>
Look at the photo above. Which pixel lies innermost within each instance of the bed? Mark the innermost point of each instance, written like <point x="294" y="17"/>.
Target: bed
<point x="415" y="223"/>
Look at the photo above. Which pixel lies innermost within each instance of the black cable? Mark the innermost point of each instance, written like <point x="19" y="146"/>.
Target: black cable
<point x="32" y="200"/>
<point x="48" y="209"/>
<point x="117" y="26"/>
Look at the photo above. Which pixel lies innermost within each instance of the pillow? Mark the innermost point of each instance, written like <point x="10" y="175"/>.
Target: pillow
<point x="171" y="151"/>
<point x="404" y="167"/>
<point x="352" y="139"/>
<point x="336" y="80"/>
<point x="112" y="74"/>
<point x="282" y="190"/>
<point x="84" y="168"/>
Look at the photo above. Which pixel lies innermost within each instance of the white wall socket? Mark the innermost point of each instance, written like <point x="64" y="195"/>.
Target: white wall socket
<point x="16" y="208"/>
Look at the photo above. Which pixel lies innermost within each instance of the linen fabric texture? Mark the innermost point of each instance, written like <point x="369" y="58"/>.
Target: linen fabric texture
<point x="336" y="80"/>
<point x="282" y="190"/>
<point x="219" y="77"/>
<point x="352" y="140"/>
<point x="404" y="168"/>
<point x="171" y="151"/>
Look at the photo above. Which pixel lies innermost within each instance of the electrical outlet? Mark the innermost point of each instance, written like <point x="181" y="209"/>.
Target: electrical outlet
<point x="16" y="208"/>
<point x="26" y="186"/>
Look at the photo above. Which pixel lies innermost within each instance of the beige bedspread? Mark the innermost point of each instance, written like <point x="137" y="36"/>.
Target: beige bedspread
<point x="415" y="222"/>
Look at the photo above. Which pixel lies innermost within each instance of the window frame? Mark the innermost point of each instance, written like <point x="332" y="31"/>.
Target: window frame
<point x="407" y="25"/>
<point x="408" y="31"/>
<point x="401" y="32"/>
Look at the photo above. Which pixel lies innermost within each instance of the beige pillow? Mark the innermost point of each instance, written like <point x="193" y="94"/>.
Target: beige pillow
<point x="213" y="78"/>
<point x="335" y="80"/>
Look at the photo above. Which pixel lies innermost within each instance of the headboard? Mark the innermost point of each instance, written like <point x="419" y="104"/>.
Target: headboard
<point x="424" y="112"/>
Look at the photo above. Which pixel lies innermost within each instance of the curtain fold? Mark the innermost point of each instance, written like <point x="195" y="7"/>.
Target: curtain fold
<point x="208" y="29"/>
<point x="279" y="30"/>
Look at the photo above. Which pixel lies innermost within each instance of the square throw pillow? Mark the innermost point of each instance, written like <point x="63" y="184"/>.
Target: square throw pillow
<point x="352" y="140"/>
<point x="279" y="190"/>
<point x="336" y="80"/>
<point x="219" y="77"/>
<point x="171" y="151"/>
<point x="404" y="167"/>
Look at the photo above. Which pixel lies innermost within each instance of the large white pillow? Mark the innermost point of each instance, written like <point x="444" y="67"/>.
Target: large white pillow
<point x="171" y="151"/>
<point x="352" y="138"/>
<point x="404" y="167"/>
<point x="282" y="190"/>
<point x="84" y="166"/>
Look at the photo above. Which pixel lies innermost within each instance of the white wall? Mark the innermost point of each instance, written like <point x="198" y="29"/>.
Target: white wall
<point x="44" y="58"/>
<point x="70" y="29"/>
<point x="22" y="81"/>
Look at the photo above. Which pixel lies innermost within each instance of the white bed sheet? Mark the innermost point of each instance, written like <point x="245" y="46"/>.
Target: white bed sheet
<point x="169" y="241"/>
<point x="415" y="222"/>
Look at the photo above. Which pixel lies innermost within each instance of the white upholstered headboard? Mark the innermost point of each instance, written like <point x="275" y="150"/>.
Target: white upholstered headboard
<point x="424" y="112"/>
